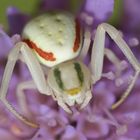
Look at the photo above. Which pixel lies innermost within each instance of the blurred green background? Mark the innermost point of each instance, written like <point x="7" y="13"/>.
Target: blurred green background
<point x="30" y="6"/>
<point x="26" y="6"/>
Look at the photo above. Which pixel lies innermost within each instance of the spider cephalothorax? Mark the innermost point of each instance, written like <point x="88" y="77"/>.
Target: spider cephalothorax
<point x="70" y="82"/>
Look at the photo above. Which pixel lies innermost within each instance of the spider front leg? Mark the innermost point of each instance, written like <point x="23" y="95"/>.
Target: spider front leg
<point x="21" y="98"/>
<point x="120" y="65"/>
<point x="98" y="55"/>
<point x="35" y="70"/>
<point x="88" y="96"/>
<point x="63" y="104"/>
<point x="109" y="53"/>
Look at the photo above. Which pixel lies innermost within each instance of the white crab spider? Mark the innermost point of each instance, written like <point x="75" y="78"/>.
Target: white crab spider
<point x="55" y="40"/>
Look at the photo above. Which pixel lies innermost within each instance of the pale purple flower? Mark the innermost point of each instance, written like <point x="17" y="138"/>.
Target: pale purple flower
<point x="97" y="120"/>
<point x="5" y="135"/>
<point x="72" y="133"/>
<point x="16" y="20"/>
<point x="97" y="11"/>
<point x="5" y="44"/>
<point x="101" y="9"/>
<point x="132" y="10"/>
<point x="55" y="5"/>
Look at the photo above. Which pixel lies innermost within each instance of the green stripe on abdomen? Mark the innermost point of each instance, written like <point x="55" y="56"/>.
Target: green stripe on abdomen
<point x="57" y="75"/>
<point x="79" y="73"/>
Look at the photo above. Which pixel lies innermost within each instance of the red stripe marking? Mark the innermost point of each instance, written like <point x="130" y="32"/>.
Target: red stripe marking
<point x="49" y="56"/>
<point x="77" y="39"/>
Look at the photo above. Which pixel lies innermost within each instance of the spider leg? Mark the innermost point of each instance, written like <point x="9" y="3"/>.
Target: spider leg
<point x="21" y="98"/>
<point x="86" y="44"/>
<point x="35" y="70"/>
<point x="98" y="55"/>
<point x="120" y="65"/>
<point x="127" y="92"/>
<point x="88" y="96"/>
<point x="63" y="104"/>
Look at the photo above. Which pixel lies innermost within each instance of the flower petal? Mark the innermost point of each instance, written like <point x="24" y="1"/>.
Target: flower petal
<point x="5" y="43"/>
<point x="16" y="20"/>
<point x="54" y="4"/>
<point x="132" y="10"/>
<point x="100" y="9"/>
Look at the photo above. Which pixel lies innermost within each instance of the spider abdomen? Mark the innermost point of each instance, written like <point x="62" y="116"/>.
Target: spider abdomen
<point x="55" y="37"/>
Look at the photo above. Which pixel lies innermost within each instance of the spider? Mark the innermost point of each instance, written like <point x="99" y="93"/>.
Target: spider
<point x="54" y="40"/>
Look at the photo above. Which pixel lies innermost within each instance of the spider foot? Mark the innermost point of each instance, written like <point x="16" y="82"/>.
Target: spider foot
<point x="64" y="106"/>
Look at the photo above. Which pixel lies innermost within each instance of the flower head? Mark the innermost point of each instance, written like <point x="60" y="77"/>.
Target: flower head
<point x="97" y="120"/>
